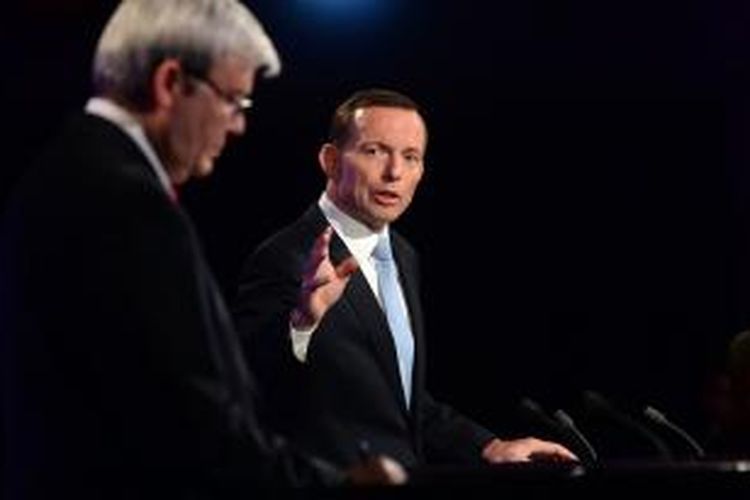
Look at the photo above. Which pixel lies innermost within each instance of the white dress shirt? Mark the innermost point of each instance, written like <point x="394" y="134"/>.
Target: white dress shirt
<point x="360" y="240"/>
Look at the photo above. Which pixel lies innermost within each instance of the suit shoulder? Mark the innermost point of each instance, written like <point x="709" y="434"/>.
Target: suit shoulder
<point x="403" y="246"/>
<point x="91" y="162"/>
<point x="91" y="140"/>
<point x="294" y="240"/>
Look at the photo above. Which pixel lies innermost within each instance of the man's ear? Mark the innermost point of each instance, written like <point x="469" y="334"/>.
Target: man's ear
<point x="328" y="158"/>
<point x="166" y="83"/>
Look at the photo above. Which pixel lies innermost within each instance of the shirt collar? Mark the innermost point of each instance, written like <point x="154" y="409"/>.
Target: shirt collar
<point x="358" y="238"/>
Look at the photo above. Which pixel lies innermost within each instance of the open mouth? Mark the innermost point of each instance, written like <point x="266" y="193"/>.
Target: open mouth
<point x="386" y="198"/>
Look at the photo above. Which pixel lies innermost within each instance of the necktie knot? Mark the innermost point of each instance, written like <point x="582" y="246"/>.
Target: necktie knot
<point x="382" y="251"/>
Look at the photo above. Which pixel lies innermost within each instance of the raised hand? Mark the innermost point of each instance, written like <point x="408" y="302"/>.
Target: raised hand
<point x="322" y="283"/>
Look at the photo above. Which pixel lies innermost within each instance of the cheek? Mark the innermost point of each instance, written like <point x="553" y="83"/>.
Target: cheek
<point x="203" y="123"/>
<point x="351" y="183"/>
<point x="186" y="134"/>
<point x="205" y="129"/>
<point x="364" y="189"/>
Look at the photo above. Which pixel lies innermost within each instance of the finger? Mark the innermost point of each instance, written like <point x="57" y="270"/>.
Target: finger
<point x="393" y="471"/>
<point x="319" y="251"/>
<point x="551" y="448"/>
<point x="554" y="451"/>
<point x="567" y="454"/>
<point x="320" y="248"/>
<point x="311" y="283"/>
<point x="346" y="268"/>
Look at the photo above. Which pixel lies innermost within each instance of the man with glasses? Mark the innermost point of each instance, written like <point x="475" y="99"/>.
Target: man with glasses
<point x="237" y="103"/>
<point x="121" y="364"/>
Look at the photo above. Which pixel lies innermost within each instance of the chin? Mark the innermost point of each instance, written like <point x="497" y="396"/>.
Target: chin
<point x="389" y="216"/>
<point x="203" y="168"/>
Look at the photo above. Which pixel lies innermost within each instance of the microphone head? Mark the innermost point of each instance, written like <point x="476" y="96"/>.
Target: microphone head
<point x="584" y="449"/>
<point x="559" y="428"/>
<point x="530" y="405"/>
<point x="655" y="415"/>
<point x="564" y="418"/>
<point x="618" y="435"/>
<point x="532" y="413"/>
<point x="675" y="435"/>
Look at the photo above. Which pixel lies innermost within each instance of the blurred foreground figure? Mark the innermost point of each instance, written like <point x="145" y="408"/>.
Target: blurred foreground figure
<point x="122" y="370"/>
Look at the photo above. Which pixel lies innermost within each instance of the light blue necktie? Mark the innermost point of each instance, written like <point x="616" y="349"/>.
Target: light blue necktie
<point x="394" y="307"/>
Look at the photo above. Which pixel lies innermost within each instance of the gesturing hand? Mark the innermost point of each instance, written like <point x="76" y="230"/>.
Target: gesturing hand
<point x="322" y="283"/>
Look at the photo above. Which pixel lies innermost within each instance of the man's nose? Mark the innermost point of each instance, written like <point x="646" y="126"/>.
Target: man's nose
<point x="395" y="167"/>
<point x="237" y="124"/>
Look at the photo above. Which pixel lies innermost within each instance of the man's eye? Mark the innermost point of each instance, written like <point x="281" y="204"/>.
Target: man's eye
<point x="373" y="150"/>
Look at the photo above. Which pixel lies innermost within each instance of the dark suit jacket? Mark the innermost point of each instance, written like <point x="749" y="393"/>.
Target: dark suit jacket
<point x="348" y="391"/>
<point x="121" y="364"/>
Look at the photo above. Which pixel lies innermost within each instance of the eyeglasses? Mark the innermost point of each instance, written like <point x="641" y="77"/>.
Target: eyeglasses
<point x="238" y="104"/>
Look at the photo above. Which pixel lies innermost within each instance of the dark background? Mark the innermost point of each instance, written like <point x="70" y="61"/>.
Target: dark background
<point x="583" y="220"/>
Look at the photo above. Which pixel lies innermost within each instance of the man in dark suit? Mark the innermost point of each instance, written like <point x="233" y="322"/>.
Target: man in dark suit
<point x="122" y="368"/>
<point x="338" y="340"/>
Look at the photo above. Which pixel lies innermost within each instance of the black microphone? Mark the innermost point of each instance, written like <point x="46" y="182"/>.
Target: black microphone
<point x="597" y="404"/>
<point x="567" y="423"/>
<point x="656" y="416"/>
<point x="583" y="447"/>
<point x="534" y="412"/>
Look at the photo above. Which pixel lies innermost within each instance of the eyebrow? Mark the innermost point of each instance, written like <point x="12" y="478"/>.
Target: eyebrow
<point x="376" y="142"/>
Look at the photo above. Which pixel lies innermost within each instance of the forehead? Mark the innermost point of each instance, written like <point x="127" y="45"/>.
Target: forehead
<point x="400" y="126"/>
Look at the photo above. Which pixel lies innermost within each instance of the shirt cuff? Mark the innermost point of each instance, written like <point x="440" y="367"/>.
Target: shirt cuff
<point x="300" y="341"/>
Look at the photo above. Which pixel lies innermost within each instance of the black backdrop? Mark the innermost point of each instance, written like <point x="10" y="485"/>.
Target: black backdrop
<point x="583" y="220"/>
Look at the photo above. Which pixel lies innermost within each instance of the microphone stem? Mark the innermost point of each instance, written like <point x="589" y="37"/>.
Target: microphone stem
<point x="567" y="422"/>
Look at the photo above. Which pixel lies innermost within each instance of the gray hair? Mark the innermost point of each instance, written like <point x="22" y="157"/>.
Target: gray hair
<point x="142" y="33"/>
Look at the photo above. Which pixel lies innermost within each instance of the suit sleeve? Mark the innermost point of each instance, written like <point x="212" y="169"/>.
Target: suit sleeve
<point x="267" y="292"/>
<point x="448" y="436"/>
<point x="163" y="357"/>
<point x="221" y="390"/>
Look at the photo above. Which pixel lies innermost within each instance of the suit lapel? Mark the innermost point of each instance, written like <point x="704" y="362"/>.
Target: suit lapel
<point x="409" y="285"/>
<point x="369" y="314"/>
